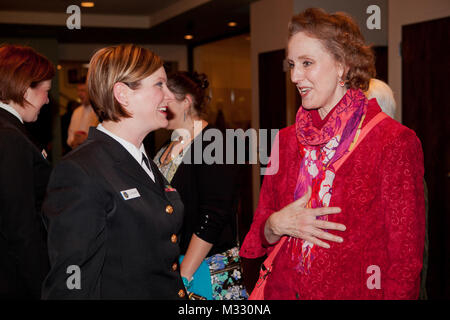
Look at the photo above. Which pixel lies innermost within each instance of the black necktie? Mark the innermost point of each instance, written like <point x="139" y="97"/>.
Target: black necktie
<point x="147" y="164"/>
<point x="145" y="160"/>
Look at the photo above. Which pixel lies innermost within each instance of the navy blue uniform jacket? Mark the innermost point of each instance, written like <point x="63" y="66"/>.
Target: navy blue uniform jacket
<point x="125" y="246"/>
<point x="24" y="174"/>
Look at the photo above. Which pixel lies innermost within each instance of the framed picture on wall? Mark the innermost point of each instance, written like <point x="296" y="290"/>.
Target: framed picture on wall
<point x="77" y="74"/>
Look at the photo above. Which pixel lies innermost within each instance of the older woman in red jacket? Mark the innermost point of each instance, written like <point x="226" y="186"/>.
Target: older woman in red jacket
<point x="344" y="167"/>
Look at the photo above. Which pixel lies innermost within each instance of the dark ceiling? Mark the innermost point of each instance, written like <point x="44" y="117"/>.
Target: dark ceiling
<point x="119" y="7"/>
<point x="207" y="22"/>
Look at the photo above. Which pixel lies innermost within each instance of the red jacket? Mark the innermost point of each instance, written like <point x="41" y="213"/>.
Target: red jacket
<point x="380" y="191"/>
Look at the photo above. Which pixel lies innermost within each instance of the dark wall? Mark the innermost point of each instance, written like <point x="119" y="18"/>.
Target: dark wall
<point x="426" y="96"/>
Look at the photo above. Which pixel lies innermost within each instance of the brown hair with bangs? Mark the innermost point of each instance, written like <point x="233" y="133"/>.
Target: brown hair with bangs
<point x="126" y="63"/>
<point x="341" y="36"/>
<point x="21" y="68"/>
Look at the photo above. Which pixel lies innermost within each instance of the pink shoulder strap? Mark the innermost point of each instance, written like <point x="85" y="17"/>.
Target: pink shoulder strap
<point x="274" y="252"/>
<point x="364" y="131"/>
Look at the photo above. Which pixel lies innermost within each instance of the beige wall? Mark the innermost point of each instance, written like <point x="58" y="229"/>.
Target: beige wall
<point x="403" y="12"/>
<point x="226" y="62"/>
<point x="83" y="52"/>
<point x="268" y="25"/>
<point x="227" y="65"/>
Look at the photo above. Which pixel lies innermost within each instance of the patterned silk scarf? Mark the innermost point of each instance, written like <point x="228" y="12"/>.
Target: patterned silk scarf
<point x="320" y="149"/>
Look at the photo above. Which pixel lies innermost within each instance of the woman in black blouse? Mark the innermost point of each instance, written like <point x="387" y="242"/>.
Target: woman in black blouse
<point x="209" y="191"/>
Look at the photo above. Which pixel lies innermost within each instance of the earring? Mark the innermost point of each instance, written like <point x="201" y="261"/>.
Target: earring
<point x="342" y="83"/>
<point x="184" y="116"/>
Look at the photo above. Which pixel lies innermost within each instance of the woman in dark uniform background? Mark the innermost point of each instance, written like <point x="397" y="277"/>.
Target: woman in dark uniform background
<point x="25" y="79"/>
<point x="114" y="221"/>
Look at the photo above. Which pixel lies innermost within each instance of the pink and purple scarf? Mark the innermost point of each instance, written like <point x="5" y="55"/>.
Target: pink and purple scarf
<point x="320" y="149"/>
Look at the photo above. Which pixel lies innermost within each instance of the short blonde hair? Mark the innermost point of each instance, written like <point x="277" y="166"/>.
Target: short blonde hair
<point x="384" y="95"/>
<point x="126" y="63"/>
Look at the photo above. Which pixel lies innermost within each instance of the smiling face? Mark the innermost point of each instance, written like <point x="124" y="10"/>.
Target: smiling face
<point x="315" y="73"/>
<point x="148" y="103"/>
<point x="37" y="97"/>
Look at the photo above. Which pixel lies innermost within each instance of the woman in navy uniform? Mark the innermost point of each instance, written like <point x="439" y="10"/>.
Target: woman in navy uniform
<point x="114" y="219"/>
<point x="25" y="79"/>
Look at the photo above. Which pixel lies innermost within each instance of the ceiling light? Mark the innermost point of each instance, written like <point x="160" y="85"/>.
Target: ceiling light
<point x="188" y="36"/>
<point x="59" y="67"/>
<point x="232" y="24"/>
<point x="87" y="4"/>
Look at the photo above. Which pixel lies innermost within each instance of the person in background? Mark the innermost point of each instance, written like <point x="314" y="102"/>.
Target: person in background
<point x="83" y="117"/>
<point x="25" y="80"/>
<point x="113" y="222"/>
<point x="381" y="91"/>
<point x="209" y="191"/>
<point x="344" y="214"/>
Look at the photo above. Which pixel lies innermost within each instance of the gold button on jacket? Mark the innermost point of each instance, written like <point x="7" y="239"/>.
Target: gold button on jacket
<point x="169" y="209"/>
<point x="181" y="293"/>
<point x="173" y="238"/>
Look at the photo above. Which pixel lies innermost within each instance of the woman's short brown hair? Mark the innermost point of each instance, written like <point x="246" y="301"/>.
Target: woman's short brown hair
<point x="126" y="63"/>
<point x="340" y="34"/>
<point x="21" y="68"/>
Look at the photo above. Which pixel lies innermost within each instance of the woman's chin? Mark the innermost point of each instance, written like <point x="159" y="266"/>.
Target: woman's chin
<point x="164" y="124"/>
<point x="31" y="119"/>
<point x="309" y="107"/>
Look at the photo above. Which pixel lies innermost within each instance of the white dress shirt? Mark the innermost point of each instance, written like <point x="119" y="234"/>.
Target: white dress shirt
<point x="131" y="148"/>
<point x="83" y="117"/>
